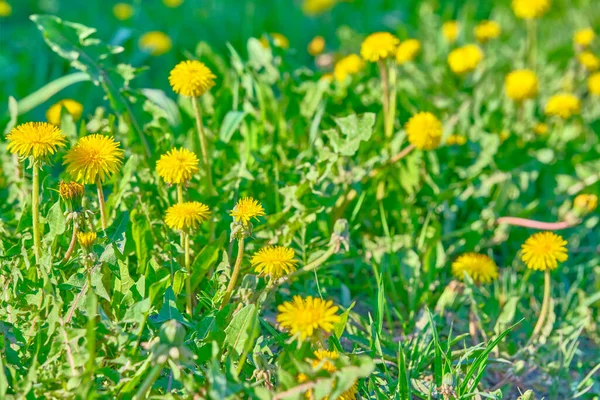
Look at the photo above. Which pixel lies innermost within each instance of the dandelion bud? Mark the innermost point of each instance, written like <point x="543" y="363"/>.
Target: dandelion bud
<point x="172" y="333"/>
<point x="86" y="239"/>
<point x="585" y="204"/>
<point x="528" y="395"/>
<point x="71" y="193"/>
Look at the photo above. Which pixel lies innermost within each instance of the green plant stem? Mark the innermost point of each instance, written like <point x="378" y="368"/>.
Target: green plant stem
<point x="317" y="263"/>
<point x="532" y="42"/>
<point x="188" y="279"/>
<point x="386" y="93"/>
<point x="179" y="194"/>
<point x="148" y="382"/>
<point x="35" y="212"/>
<point x="391" y="116"/>
<point x="545" y="306"/>
<point x="203" y="144"/>
<point x="72" y="244"/>
<point x="101" y="205"/>
<point x="92" y="311"/>
<point x="235" y="273"/>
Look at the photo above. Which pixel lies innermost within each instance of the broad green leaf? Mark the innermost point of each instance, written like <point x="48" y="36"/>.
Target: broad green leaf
<point x="230" y="124"/>
<point x="354" y="129"/>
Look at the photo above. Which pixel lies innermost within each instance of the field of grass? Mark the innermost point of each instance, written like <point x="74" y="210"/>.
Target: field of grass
<point x="374" y="218"/>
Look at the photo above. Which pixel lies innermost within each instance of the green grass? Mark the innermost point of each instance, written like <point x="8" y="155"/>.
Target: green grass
<point x="384" y="243"/>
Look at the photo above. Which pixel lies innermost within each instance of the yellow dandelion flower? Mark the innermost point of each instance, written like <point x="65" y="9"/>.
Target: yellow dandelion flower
<point x="37" y="139"/>
<point x="305" y="316"/>
<point x="540" y="128"/>
<point x="191" y="78"/>
<point x="379" y="46"/>
<point x="187" y="216"/>
<point x="521" y="85"/>
<point x="543" y="251"/>
<point x="465" y="59"/>
<point x="122" y="11"/>
<point x="172" y="3"/>
<point x="246" y="209"/>
<point x="586" y="203"/>
<point x="424" y="131"/>
<point x="156" y="43"/>
<point x="407" y="51"/>
<point x="589" y="60"/>
<point x="348" y="66"/>
<point x="457" y="140"/>
<point x="69" y="191"/>
<point x="278" y="39"/>
<point x="5" y="9"/>
<point x="584" y="37"/>
<point x="487" y="30"/>
<point x="530" y="9"/>
<point x="323" y="360"/>
<point x="86" y="239"/>
<point x="563" y="105"/>
<point x="594" y="84"/>
<point x="274" y="261"/>
<point x="481" y="268"/>
<point x="94" y="158"/>
<point x="177" y="166"/>
<point x="315" y="7"/>
<point x="73" y="107"/>
<point x="450" y="31"/>
<point x="316" y="46"/>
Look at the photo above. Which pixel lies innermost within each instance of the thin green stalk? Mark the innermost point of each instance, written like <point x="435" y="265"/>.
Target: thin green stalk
<point x="179" y="194"/>
<point x="532" y="42"/>
<point x="72" y="244"/>
<point x="35" y="211"/>
<point x="148" y="382"/>
<point x="203" y="144"/>
<point x="386" y="93"/>
<point x="188" y="279"/>
<point x="101" y="204"/>
<point x="235" y="273"/>
<point x="317" y="263"/>
<point x="545" y="306"/>
<point x="393" y="72"/>
<point x="92" y="311"/>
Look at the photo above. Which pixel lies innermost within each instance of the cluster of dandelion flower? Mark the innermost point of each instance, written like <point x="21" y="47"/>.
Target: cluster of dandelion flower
<point x="244" y="211"/>
<point x="424" y="131"/>
<point x="480" y="267"/>
<point x="465" y="59"/>
<point x="307" y="317"/>
<point x="521" y="85"/>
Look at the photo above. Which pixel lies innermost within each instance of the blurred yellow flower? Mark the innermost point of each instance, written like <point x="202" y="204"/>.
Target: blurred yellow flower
<point x="172" y="3"/>
<point x="589" y="60"/>
<point x="348" y="66"/>
<point x="73" y="107"/>
<point x="274" y="261"/>
<point x="543" y="251"/>
<point x="315" y="7"/>
<point x="521" y="85"/>
<point x="563" y="105"/>
<point x="450" y="31"/>
<point x="324" y="360"/>
<point x="486" y="30"/>
<point x="86" y="239"/>
<point x="424" y="131"/>
<point x="540" y="128"/>
<point x="584" y="37"/>
<point x="407" y="51"/>
<point x="504" y="135"/>
<point x="379" y="46"/>
<point x="316" y="46"/>
<point x="156" y="43"/>
<point x="93" y="158"/>
<point x="480" y="267"/>
<point x="186" y="216"/>
<point x="278" y="39"/>
<point x="37" y="139"/>
<point x="586" y="203"/>
<point x="530" y="9"/>
<point x="246" y="209"/>
<point x="191" y="78"/>
<point x="177" y="166"/>
<point x="122" y="11"/>
<point x="457" y="140"/>
<point x="594" y="84"/>
<point x="5" y="9"/>
<point x="305" y="316"/>
<point x="465" y="59"/>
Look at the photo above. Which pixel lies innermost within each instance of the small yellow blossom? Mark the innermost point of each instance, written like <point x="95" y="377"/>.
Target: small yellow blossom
<point x="594" y="84"/>
<point x="306" y="316"/>
<point x="540" y="128"/>
<point x="86" y="239"/>
<point x="177" y="166"/>
<point x="186" y="216"/>
<point x="407" y="51"/>
<point x="563" y="105"/>
<point x="5" y="9"/>
<point x="450" y="31"/>
<point x="487" y="30"/>
<point x="465" y="59"/>
<point x="457" y="140"/>
<point x="274" y="261"/>
<point x="122" y="11"/>
<point x="543" y="251"/>
<point x="379" y="46"/>
<point x="584" y="37"/>
<point x="191" y="78"/>
<point x="172" y="3"/>
<point x="94" y="158"/>
<point x="586" y="203"/>
<point x="348" y="66"/>
<point x="424" y="131"/>
<point x="246" y="209"/>
<point x="480" y="267"/>
<point x="156" y="43"/>
<point x="589" y="60"/>
<point x="316" y="46"/>
<point x="530" y="9"/>
<point x="315" y="7"/>
<point x="73" y="107"/>
<point x="37" y="139"/>
<point x="278" y="39"/>
<point x="521" y="85"/>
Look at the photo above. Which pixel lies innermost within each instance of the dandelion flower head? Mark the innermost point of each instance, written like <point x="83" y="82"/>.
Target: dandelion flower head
<point x="37" y="139"/>
<point x="186" y="216"/>
<point x="530" y="9"/>
<point x="486" y="31"/>
<point x="543" y="251"/>
<point x="589" y="60"/>
<point x="424" y="131"/>
<point x="563" y="105"/>
<point x="465" y="59"/>
<point x="316" y="46"/>
<point x="246" y="209"/>
<point x="73" y="107"/>
<point x="86" y="239"/>
<point x="348" y="66"/>
<point x="586" y="203"/>
<point x="274" y="261"/>
<point x="521" y="85"/>
<point x="480" y="267"/>
<point x="191" y="78"/>
<point x="450" y="31"/>
<point x="122" y="11"/>
<point x="177" y="166"/>
<point x="305" y="316"/>
<point x="407" y="51"/>
<point x="379" y="46"/>
<point x="584" y="37"/>
<point x="94" y="158"/>
<point x="315" y="7"/>
<point x="156" y="43"/>
<point x="594" y="84"/>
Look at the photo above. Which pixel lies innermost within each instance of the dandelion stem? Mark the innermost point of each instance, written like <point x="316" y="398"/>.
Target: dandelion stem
<point x="391" y="116"/>
<point x="148" y="382"/>
<point x="235" y="273"/>
<point x="72" y="244"/>
<point x="545" y="306"/>
<point x="532" y="42"/>
<point x="203" y="144"/>
<point x="35" y="211"/>
<point x="529" y="223"/>
<point x="319" y="261"/>
<point x="188" y="279"/>
<point x="386" y="94"/>
<point x="179" y="194"/>
<point x="101" y="205"/>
